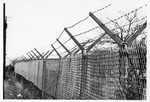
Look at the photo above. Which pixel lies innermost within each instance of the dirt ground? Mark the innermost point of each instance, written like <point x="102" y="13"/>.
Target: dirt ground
<point x="14" y="89"/>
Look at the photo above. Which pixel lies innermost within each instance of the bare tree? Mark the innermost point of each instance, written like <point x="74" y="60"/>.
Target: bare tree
<point x="125" y="27"/>
<point x="130" y="72"/>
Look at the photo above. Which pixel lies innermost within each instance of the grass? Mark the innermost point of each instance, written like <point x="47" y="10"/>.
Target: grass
<point x="13" y="89"/>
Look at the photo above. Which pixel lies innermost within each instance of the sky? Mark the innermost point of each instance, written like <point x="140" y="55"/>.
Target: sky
<point x="37" y="23"/>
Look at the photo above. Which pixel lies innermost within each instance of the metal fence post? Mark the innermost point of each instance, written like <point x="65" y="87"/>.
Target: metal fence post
<point x="84" y="74"/>
<point x="43" y="79"/>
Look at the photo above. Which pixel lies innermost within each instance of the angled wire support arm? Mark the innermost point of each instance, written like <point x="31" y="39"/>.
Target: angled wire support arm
<point x="35" y="54"/>
<point x="29" y="56"/>
<point x="64" y="47"/>
<point x="32" y="55"/>
<point x="45" y="54"/>
<point x="112" y="35"/>
<point x="49" y="54"/>
<point x="134" y="36"/>
<point x="94" y="43"/>
<point x="56" y="51"/>
<point x="38" y="52"/>
<point x="73" y="38"/>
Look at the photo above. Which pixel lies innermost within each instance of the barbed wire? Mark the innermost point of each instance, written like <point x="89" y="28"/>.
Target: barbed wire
<point x="43" y="46"/>
<point x="96" y="26"/>
<point x="88" y="16"/>
<point x="75" y="36"/>
<point x="131" y="23"/>
<point x="53" y="54"/>
<point x="101" y="8"/>
<point x="78" y="22"/>
<point x="93" y="39"/>
<point x="64" y="43"/>
<point x="69" y="50"/>
<point x="61" y="34"/>
<point x="59" y="38"/>
<point x="63" y="52"/>
<point x="127" y="14"/>
<point x="54" y="42"/>
<point x="82" y="21"/>
<point x="111" y="21"/>
<point x="73" y="47"/>
<point x="87" y="31"/>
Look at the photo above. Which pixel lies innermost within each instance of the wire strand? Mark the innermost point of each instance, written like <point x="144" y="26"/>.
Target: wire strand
<point x="109" y="21"/>
<point x="88" y="16"/>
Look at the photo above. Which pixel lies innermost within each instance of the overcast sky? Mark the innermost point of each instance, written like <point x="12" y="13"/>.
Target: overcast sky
<point x="37" y="23"/>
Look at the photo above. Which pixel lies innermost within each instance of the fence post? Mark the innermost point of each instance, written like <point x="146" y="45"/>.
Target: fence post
<point x="57" y="83"/>
<point x="4" y="40"/>
<point x="43" y="79"/>
<point x="83" y="75"/>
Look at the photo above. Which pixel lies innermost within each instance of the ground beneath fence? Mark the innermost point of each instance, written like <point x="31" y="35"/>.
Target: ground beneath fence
<point x="14" y="89"/>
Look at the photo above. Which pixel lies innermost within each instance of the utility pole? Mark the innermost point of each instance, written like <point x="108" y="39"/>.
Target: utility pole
<point x="4" y="42"/>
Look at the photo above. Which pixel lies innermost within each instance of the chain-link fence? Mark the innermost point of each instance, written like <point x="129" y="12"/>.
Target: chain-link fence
<point x="106" y="75"/>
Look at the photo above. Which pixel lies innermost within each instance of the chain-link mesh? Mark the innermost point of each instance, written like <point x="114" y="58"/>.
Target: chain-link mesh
<point x="133" y="72"/>
<point x="105" y="74"/>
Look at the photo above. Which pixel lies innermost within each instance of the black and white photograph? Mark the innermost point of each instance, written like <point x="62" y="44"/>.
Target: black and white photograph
<point x="74" y="50"/>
